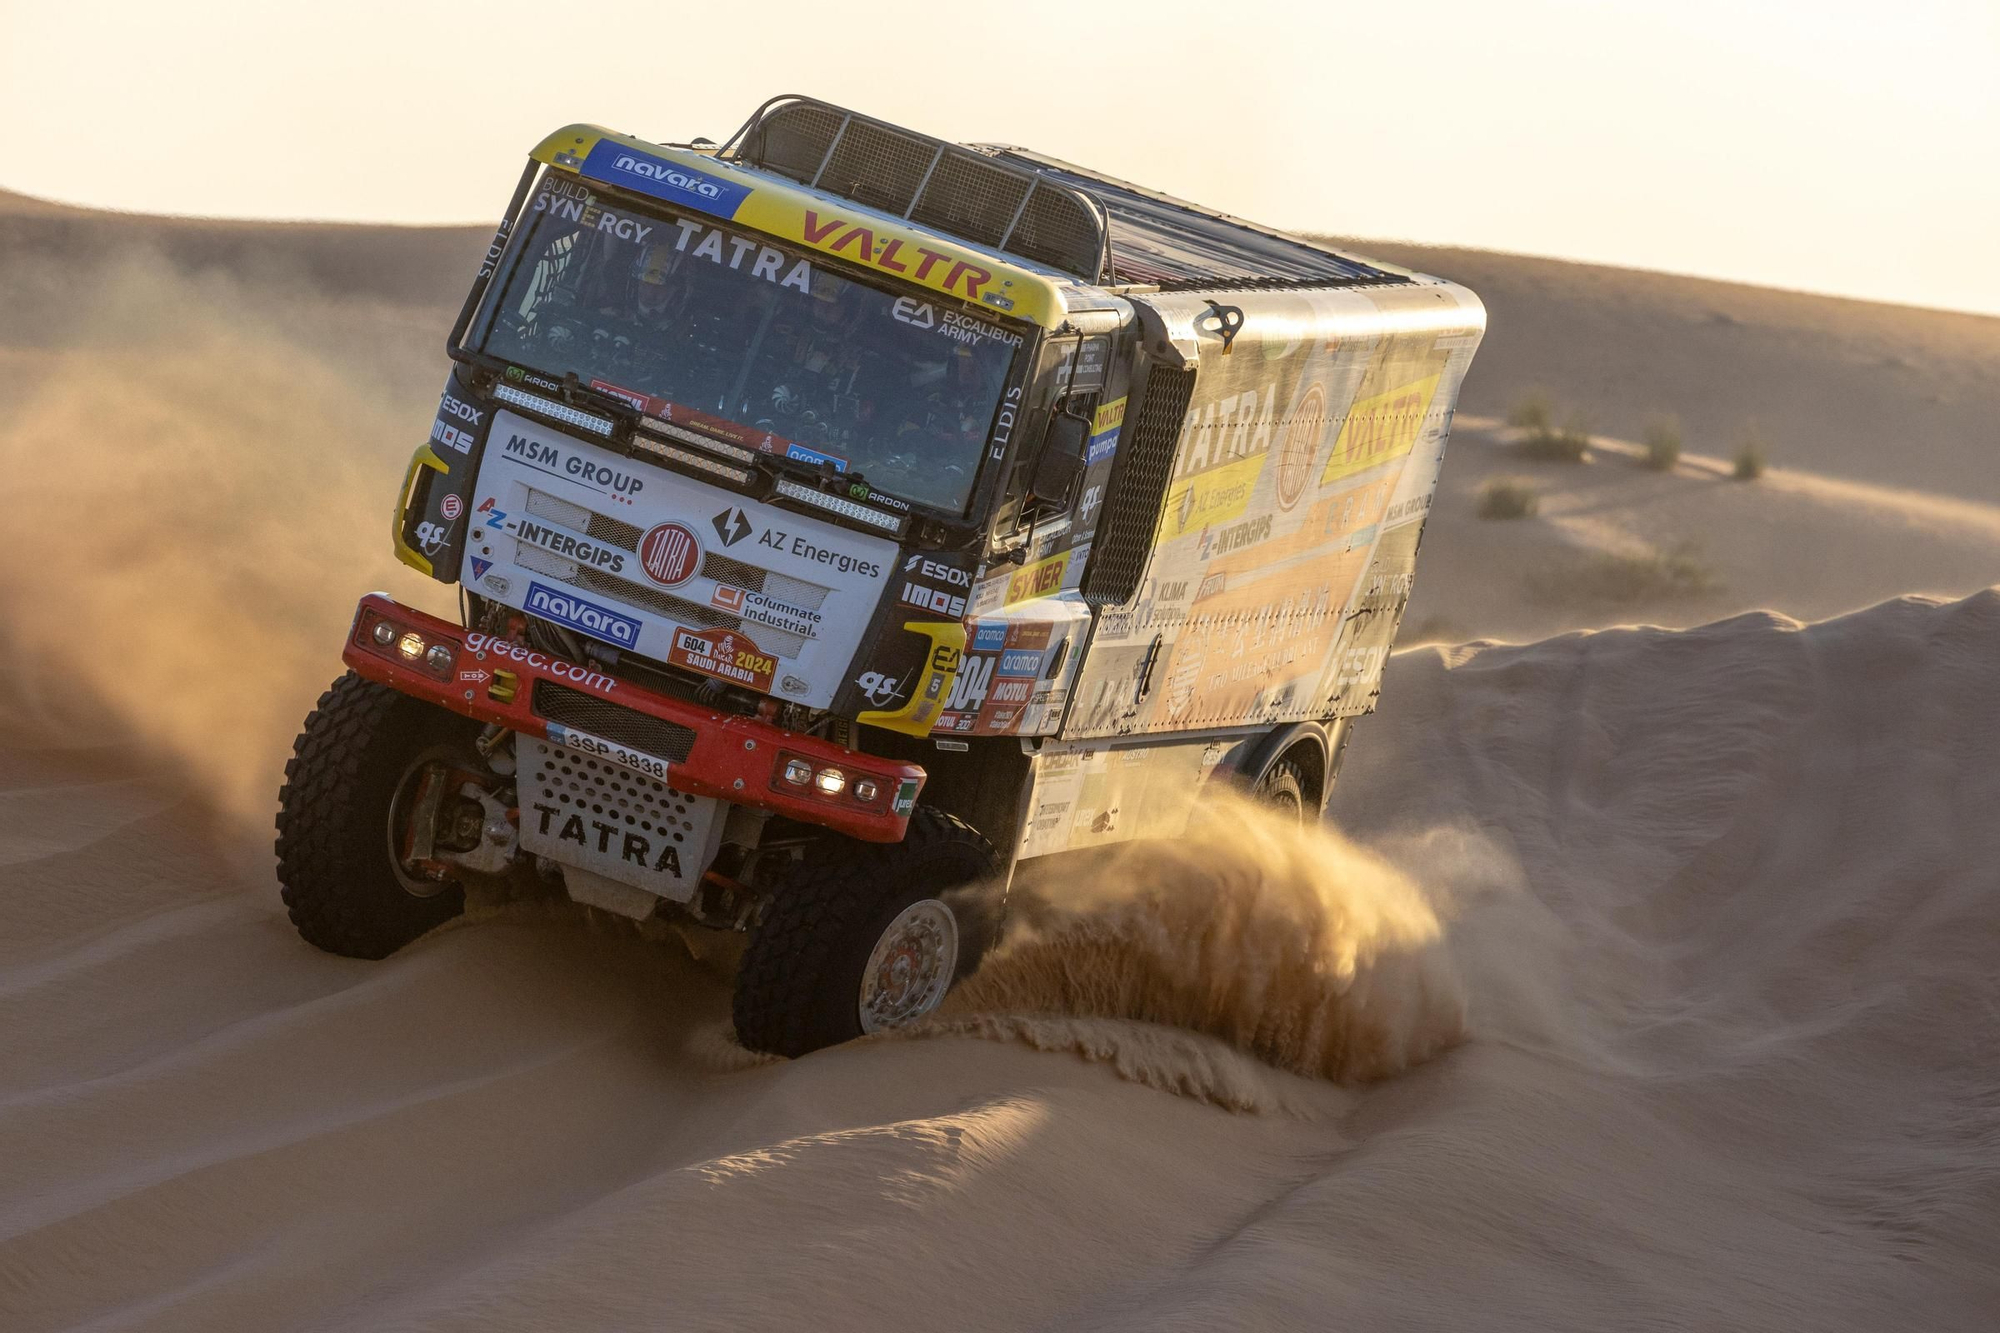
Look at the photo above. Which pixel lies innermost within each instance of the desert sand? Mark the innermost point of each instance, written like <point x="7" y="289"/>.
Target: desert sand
<point x="1645" y="975"/>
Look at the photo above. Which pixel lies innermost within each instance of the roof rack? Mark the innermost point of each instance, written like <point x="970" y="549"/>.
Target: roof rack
<point x="954" y="189"/>
<point x="1167" y="242"/>
<point x="1047" y="211"/>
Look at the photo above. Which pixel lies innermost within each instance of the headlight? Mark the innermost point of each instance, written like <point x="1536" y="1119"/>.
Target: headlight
<point x="864" y="790"/>
<point x="798" y="772"/>
<point x="439" y="657"/>
<point x="385" y="633"/>
<point x="412" y="646"/>
<point x="831" y="781"/>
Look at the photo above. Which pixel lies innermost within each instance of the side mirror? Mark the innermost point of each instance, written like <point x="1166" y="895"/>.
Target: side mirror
<point x="1061" y="460"/>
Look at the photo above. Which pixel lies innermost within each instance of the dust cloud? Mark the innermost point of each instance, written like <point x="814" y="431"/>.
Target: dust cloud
<point x="200" y="472"/>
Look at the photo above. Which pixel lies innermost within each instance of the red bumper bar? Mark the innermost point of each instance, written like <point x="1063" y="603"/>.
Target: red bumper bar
<point x="732" y="757"/>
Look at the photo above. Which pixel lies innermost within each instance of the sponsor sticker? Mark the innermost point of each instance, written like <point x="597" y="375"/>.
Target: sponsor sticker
<point x="1217" y="495"/>
<point x="632" y="396"/>
<point x="926" y="598"/>
<point x="800" y="453"/>
<point x="1021" y="663"/>
<point x="1104" y="426"/>
<point x="647" y="174"/>
<point x="580" y="613"/>
<point x="763" y="609"/>
<point x="1380" y="428"/>
<point x="865" y="241"/>
<point x="595" y="555"/>
<point x="481" y="643"/>
<point x="990" y="637"/>
<point x="1301" y="442"/>
<point x="454" y="438"/>
<point x="881" y="691"/>
<point x="543" y="455"/>
<point x="731" y="526"/>
<point x="1038" y="580"/>
<point x="451" y="506"/>
<point x="724" y="653"/>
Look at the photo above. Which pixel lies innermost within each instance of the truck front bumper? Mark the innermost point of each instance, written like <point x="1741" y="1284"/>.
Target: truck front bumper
<point x="733" y="758"/>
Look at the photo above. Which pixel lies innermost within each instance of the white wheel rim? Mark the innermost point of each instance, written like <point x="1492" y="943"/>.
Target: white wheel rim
<point x="911" y="966"/>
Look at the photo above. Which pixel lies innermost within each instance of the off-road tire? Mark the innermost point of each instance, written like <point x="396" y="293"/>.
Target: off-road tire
<point x="333" y="814"/>
<point x="798" y="986"/>
<point x="1283" y="789"/>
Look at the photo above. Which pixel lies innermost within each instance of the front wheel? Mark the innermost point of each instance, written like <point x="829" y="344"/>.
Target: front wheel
<point x="859" y="937"/>
<point x="371" y="797"/>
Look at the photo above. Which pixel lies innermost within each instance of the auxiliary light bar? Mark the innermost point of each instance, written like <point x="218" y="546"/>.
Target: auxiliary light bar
<point x="549" y="407"/>
<point x="694" y="460"/>
<point x="722" y="447"/>
<point x="839" y="504"/>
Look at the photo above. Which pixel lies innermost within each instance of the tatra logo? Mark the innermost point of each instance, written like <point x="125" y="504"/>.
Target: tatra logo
<point x="634" y="847"/>
<point x="669" y="553"/>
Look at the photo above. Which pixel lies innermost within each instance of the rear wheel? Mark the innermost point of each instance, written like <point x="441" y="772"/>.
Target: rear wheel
<point x="371" y="797"/>
<point x="859" y="937"/>
<point x="1283" y="789"/>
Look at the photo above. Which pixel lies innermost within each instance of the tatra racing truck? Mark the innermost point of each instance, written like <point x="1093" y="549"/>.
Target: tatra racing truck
<point x="842" y="518"/>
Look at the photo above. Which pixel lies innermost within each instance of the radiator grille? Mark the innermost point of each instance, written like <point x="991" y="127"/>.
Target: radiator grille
<point x="724" y="570"/>
<point x="576" y="517"/>
<point x="1138" y="487"/>
<point x="614" y="722"/>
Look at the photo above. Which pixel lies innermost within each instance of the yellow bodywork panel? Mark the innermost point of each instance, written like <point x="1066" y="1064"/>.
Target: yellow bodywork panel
<point x="778" y="208"/>
<point x="941" y="664"/>
<point x="405" y="552"/>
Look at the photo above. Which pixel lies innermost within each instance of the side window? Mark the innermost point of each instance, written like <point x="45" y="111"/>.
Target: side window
<point x="1078" y="397"/>
<point x="1050" y="381"/>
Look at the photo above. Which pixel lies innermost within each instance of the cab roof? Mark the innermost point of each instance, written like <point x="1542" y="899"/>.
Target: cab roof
<point x="815" y="219"/>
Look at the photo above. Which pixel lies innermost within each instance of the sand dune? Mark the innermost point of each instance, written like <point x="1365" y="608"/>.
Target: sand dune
<point x="1643" y="977"/>
<point x="1718" y="903"/>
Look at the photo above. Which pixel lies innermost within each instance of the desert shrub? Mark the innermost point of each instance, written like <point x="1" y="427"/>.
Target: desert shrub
<point x="1750" y="456"/>
<point x="1663" y="443"/>
<point x="1619" y="578"/>
<point x="1532" y="411"/>
<point x="1571" y="444"/>
<point x="1507" y="497"/>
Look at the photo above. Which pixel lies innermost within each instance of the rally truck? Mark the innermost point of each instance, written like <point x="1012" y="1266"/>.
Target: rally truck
<point x="842" y="518"/>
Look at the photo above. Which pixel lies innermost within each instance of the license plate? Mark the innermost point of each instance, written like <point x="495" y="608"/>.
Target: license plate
<point x="584" y="743"/>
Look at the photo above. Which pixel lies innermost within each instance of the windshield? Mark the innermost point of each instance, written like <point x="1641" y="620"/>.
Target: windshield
<point x="728" y="332"/>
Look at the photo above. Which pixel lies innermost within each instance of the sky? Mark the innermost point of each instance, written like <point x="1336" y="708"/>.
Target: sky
<point x="1823" y="145"/>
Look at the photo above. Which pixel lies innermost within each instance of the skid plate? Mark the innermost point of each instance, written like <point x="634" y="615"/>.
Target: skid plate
<point x="585" y="810"/>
